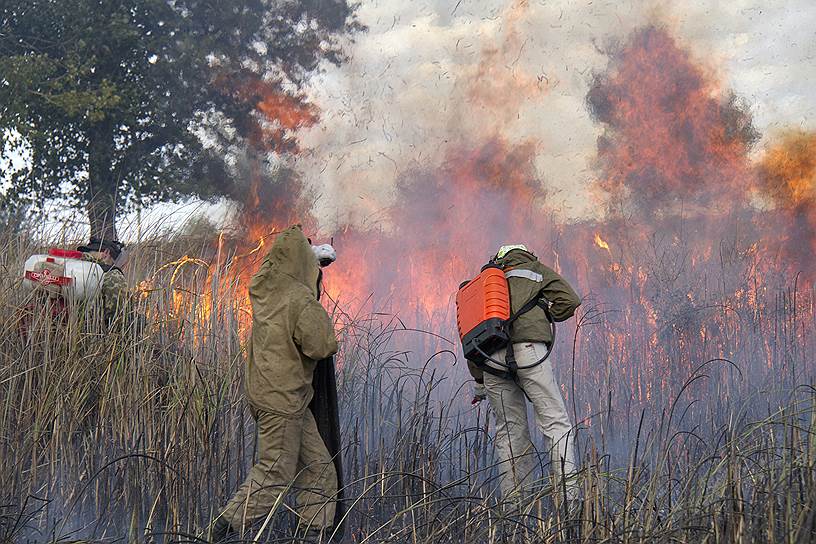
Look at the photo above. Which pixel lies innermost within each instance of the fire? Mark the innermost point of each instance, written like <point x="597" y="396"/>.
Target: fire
<point x="449" y="221"/>
<point x="277" y="115"/>
<point x="673" y="136"/>
<point x="696" y="272"/>
<point x="600" y="242"/>
<point x="788" y="178"/>
<point x="789" y="169"/>
<point x="272" y="200"/>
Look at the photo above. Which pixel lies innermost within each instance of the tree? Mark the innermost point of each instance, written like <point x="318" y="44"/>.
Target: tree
<point x="118" y="103"/>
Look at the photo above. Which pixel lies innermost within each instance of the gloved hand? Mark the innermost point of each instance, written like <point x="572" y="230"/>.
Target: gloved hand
<point x="325" y="254"/>
<point x="479" y="393"/>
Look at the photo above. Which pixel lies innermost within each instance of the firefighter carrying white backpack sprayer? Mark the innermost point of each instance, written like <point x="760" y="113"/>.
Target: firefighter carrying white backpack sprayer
<point x="62" y="277"/>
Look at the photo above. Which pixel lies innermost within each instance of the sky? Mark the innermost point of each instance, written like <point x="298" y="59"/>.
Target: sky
<point x="429" y="75"/>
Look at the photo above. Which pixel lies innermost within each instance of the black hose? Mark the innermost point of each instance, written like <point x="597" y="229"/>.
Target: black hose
<point x="510" y="346"/>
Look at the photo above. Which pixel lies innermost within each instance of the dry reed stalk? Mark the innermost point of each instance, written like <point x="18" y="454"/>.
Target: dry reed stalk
<point x="140" y="430"/>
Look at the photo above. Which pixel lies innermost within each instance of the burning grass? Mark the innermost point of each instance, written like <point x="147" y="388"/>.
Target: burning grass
<point x="139" y="431"/>
<point x="690" y="369"/>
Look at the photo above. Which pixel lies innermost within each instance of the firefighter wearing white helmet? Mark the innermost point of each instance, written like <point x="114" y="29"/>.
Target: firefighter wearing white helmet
<point x="114" y="286"/>
<point x="531" y="336"/>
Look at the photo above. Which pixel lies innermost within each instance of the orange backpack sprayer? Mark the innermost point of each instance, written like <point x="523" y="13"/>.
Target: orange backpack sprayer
<point x="482" y="309"/>
<point x="485" y="322"/>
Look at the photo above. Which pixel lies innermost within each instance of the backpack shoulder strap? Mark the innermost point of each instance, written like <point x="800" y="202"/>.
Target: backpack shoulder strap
<point x="536" y="300"/>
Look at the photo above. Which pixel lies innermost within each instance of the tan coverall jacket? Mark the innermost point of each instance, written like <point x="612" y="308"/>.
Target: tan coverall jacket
<point x="291" y="331"/>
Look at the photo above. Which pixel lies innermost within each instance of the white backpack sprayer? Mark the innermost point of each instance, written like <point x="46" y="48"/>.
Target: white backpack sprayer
<point x="57" y="279"/>
<point x="63" y="274"/>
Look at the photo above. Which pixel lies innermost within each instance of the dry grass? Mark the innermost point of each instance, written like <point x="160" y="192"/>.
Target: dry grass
<point x="139" y="431"/>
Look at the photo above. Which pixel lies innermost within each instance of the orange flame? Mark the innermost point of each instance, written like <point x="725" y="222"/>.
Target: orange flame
<point x="789" y="170"/>
<point x="279" y="115"/>
<point x="600" y="242"/>
<point x="673" y="138"/>
<point x="788" y="177"/>
<point x="674" y="150"/>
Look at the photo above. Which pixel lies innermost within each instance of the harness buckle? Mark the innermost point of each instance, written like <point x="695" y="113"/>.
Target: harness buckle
<point x="510" y="359"/>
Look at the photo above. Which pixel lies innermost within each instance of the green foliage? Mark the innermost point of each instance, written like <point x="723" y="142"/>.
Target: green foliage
<point x="114" y="101"/>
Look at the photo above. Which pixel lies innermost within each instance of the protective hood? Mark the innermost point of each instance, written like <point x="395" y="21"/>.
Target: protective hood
<point x="292" y="256"/>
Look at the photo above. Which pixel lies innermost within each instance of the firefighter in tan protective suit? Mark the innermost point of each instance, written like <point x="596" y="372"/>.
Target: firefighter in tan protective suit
<point x="530" y="336"/>
<point x="291" y="331"/>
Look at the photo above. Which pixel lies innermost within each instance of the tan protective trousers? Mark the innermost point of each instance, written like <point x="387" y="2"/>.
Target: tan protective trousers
<point x="291" y="455"/>
<point x="517" y="456"/>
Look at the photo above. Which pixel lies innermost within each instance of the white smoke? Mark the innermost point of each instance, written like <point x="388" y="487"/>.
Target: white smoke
<point x="428" y="75"/>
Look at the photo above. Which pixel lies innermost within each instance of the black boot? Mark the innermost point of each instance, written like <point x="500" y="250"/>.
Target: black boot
<point x="221" y="531"/>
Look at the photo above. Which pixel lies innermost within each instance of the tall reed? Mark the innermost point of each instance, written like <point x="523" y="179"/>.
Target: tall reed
<point x="138" y="429"/>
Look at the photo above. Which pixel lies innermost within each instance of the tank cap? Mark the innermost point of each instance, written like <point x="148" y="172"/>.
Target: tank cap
<point x="65" y="253"/>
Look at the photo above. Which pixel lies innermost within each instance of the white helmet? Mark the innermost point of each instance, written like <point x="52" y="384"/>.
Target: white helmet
<point x="504" y="250"/>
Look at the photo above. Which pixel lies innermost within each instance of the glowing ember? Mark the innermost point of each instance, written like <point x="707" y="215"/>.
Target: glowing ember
<point x="600" y="242"/>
